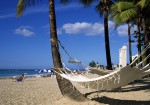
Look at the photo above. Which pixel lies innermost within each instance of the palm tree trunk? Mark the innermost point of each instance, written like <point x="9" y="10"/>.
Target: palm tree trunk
<point x="107" y="46"/>
<point x="53" y="34"/>
<point x="129" y="41"/>
<point x="139" y="39"/>
<point x="146" y="39"/>
<point x="66" y="87"/>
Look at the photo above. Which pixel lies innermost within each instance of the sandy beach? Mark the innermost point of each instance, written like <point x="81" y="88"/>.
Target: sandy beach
<point x="45" y="91"/>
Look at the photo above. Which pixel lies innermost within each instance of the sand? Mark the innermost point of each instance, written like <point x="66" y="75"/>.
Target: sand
<point x="45" y="91"/>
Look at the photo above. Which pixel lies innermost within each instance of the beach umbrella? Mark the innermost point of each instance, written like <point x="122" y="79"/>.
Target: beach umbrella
<point x="49" y="71"/>
<point x="43" y="71"/>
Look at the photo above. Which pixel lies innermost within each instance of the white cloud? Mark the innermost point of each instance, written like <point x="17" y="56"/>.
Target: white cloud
<point x="123" y="30"/>
<point x="111" y="25"/>
<point x="24" y="31"/>
<point x="90" y="29"/>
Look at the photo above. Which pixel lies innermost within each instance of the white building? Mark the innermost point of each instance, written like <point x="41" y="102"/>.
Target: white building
<point x="123" y="56"/>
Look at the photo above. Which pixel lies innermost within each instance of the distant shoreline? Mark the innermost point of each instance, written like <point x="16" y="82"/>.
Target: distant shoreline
<point x="26" y="76"/>
<point x="6" y="77"/>
<point x="11" y="73"/>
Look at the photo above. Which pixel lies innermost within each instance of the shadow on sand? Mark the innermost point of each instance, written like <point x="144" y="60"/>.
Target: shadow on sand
<point x="144" y="85"/>
<point x="136" y="86"/>
<point x="111" y="101"/>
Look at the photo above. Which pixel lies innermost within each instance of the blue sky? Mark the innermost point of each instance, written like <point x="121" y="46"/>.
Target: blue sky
<point x="24" y="41"/>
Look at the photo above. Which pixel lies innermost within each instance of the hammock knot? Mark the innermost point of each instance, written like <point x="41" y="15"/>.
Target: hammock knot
<point x="54" y="41"/>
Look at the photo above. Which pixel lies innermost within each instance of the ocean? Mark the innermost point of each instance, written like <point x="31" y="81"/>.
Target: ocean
<point x="4" y="73"/>
<point x="8" y="73"/>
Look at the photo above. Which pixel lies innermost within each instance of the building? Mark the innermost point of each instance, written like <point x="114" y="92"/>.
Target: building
<point x="123" y="56"/>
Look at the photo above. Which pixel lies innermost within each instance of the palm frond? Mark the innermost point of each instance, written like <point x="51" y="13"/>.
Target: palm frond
<point x="123" y="12"/>
<point x="118" y="19"/>
<point x="103" y="5"/>
<point x="22" y="4"/>
<point x="99" y="8"/>
<point x="128" y="14"/>
<point x="114" y="8"/>
<point x="142" y="3"/>
<point x="112" y="15"/>
<point x="20" y="7"/>
<point x="124" y="5"/>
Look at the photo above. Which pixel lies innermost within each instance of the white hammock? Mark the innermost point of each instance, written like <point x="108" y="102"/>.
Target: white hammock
<point x="112" y="80"/>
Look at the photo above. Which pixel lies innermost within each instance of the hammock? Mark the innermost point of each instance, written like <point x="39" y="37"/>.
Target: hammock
<point x="100" y="71"/>
<point x="111" y="80"/>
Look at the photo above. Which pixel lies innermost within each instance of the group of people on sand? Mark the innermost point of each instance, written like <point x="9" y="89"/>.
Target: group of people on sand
<point x="22" y="76"/>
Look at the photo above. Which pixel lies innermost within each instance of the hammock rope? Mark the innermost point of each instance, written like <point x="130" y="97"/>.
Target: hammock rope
<point x="148" y="46"/>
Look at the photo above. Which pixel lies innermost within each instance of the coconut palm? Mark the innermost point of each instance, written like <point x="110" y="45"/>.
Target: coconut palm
<point x="138" y="21"/>
<point x="138" y="35"/>
<point x="63" y="83"/>
<point x="124" y="12"/>
<point x="102" y="8"/>
<point x="145" y="8"/>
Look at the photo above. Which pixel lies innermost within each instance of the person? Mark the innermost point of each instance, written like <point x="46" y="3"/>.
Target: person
<point x="52" y="72"/>
<point x="20" y="78"/>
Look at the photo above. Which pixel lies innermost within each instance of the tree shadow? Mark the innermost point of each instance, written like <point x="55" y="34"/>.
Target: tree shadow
<point x="135" y="86"/>
<point x="138" y="85"/>
<point x="111" y="101"/>
<point x="140" y="81"/>
<point x="145" y="87"/>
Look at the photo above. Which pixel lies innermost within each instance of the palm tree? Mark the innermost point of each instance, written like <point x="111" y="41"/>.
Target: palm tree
<point x="102" y="8"/>
<point x="124" y="12"/>
<point x="63" y="83"/>
<point x="129" y="42"/>
<point x="53" y="34"/>
<point x="138" y="21"/>
<point x="145" y="8"/>
<point x="138" y="35"/>
<point x="141" y="18"/>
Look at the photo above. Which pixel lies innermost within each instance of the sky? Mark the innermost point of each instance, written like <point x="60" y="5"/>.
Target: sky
<point x="25" y="41"/>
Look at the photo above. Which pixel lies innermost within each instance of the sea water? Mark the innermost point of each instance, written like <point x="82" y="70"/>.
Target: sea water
<point x="7" y="73"/>
<point x="15" y="72"/>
